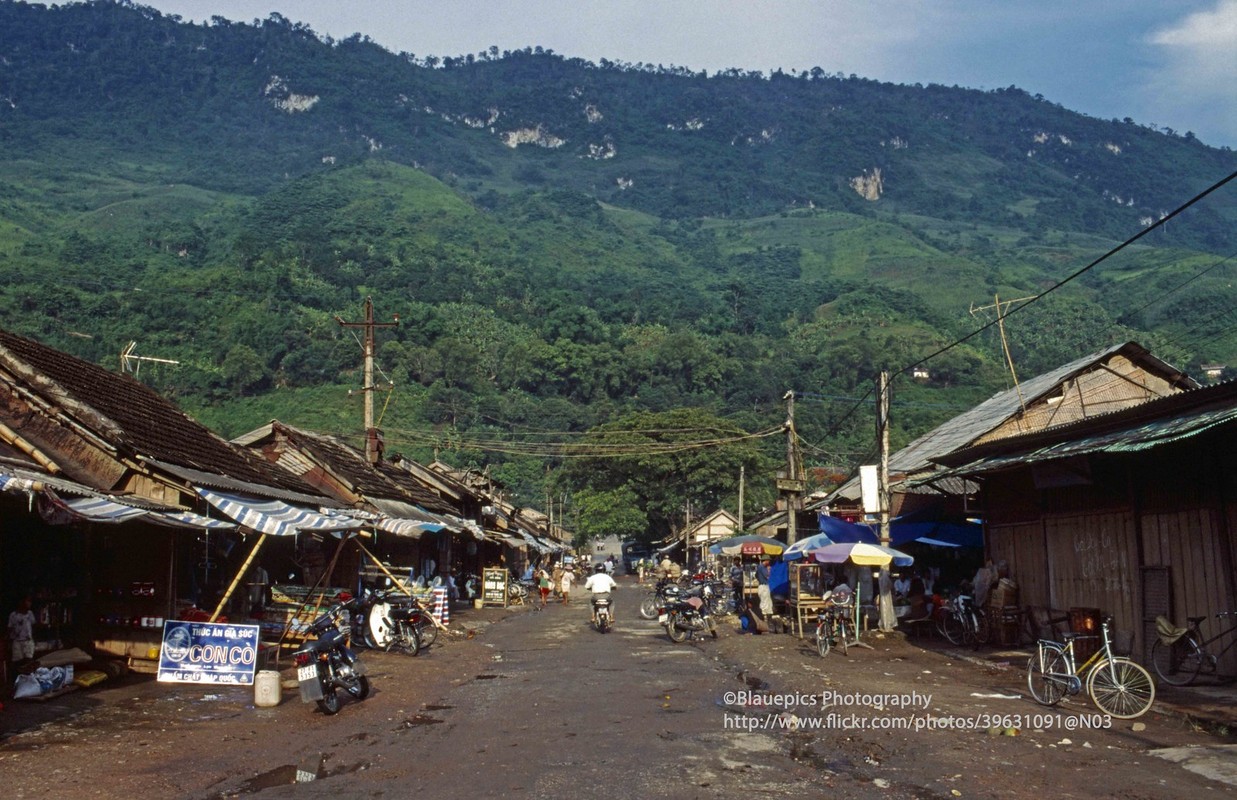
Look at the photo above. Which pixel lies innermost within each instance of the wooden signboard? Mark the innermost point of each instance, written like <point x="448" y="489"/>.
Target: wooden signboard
<point x="494" y="586"/>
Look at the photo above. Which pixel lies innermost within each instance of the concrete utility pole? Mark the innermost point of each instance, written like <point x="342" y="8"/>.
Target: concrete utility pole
<point x="791" y="484"/>
<point x="742" y="483"/>
<point x="887" y="617"/>
<point x="372" y="434"/>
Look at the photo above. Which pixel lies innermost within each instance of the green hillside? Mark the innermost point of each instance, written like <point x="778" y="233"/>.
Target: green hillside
<point x="571" y="245"/>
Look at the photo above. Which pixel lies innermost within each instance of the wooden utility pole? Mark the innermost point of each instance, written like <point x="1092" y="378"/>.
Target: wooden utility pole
<point x="887" y="617"/>
<point x="791" y="483"/>
<point x="372" y="434"/>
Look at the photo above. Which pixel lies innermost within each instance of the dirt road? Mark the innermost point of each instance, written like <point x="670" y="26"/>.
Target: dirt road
<point x="537" y="704"/>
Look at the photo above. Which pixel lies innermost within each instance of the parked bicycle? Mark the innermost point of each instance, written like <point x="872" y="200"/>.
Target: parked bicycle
<point x="962" y="622"/>
<point x="1115" y="684"/>
<point x="835" y="626"/>
<point x="1180" y="655"/>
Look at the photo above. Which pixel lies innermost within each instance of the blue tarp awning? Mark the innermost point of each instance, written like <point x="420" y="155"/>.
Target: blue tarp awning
<point x="909" y="528"/>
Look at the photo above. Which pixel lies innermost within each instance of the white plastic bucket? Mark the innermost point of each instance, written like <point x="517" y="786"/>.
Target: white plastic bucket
<point x="266" y="688"/>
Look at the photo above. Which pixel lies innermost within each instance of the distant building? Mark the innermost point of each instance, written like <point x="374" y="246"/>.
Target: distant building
<point x="1213" y="372"/>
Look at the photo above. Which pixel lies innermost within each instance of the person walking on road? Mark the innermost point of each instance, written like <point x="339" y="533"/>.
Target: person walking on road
<point x="543" y="585"/>
<point x="568" y="578"/>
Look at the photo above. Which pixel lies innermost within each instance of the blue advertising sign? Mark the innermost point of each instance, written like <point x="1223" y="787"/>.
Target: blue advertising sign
<point x="208" y="652"/>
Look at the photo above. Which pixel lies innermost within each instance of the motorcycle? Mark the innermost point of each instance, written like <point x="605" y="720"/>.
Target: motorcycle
<point x="402" y="626"/>
<point x="325" y="664"/>
<point x="685" y="614"/>
<point x="601" y="612"/>
<point x="654" y="600"/>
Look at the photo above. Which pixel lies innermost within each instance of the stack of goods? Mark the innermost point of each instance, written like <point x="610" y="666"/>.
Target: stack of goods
<point x="293" y="608"/>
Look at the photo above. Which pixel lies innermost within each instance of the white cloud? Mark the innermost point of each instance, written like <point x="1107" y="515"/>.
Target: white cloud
<point x="1196" y="75"/>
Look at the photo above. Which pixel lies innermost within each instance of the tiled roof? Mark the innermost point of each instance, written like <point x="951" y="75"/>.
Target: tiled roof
<point x="383" y="480"/>
<point x="131" y="416"/>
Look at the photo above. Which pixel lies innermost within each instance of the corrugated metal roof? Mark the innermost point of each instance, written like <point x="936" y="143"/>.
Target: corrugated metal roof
<point x="1131" y="439"/>
<point x="969" y="426"/>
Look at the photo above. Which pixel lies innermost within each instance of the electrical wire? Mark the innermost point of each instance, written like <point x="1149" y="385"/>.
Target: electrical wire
<point x="1094" y="263"/>
<point x="581" y="450"/>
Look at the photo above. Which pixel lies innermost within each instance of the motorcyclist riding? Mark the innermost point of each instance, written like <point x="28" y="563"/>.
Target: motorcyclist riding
<point x="600" y="584"/>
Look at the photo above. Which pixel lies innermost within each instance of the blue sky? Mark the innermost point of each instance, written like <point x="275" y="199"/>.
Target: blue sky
<point x="1166" y="63"/>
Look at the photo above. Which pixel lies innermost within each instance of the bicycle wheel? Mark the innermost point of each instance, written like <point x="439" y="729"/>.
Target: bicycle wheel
<point x="843" y="633"/>
<point x="822" y="639"/>
<point x="1177" y="664"/>
<point x="983" y="626"/>
<point x="953" y="629"/>
<point x="1121" y="688"/>
<point x="1048" y="675"/>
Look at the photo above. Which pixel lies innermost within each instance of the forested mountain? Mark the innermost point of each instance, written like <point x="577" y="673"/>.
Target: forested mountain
<point x="572" y="245"/>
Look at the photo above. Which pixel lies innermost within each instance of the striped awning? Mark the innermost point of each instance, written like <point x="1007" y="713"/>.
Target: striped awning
<point x="275" y="517"/>
<point x="59" y="510"/>
<point x="533" y="541"/>
<point x="399" y="526"/>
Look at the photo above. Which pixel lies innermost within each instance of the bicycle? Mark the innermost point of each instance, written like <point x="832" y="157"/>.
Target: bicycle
<point x="833" y="625"/>
<point x="964" y="623"/>
<point x="1179" y="655"/>
<point x="1116" y="685"/>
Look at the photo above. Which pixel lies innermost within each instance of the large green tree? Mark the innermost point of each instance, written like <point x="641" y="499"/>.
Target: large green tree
<point x="666" y="461"/>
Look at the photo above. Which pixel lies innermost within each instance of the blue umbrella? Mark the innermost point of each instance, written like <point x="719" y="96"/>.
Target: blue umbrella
<point x="800" y="548"/>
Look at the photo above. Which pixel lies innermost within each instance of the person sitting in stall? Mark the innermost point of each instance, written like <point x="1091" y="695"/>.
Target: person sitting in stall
<point x="916" y="595"/>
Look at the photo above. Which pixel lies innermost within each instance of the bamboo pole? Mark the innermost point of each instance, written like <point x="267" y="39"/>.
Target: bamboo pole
<point x="405" y="589"/>
<point x="240" y="573"/>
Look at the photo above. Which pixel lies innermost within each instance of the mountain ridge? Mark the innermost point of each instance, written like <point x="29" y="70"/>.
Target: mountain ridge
<point x="568" y="241"/>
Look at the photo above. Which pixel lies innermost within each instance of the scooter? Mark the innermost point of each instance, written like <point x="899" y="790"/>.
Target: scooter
<point x="601" y="613"/>
<point x="404" y="627"/>
<point x="326" y="663"/>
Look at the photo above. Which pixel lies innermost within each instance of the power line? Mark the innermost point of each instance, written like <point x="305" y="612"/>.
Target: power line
<point x="1094" y="263"/>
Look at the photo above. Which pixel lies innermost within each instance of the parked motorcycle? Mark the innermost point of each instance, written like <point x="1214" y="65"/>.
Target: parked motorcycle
<point x="685" y="614"/>
<point x="397" y="623"/>
<point x="652" y="603"/>
<point x="325" y="664"/>
<point x="601" y="612"/>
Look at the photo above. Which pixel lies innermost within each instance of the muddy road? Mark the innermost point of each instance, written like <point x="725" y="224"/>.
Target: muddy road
<point x="538" y="704"/>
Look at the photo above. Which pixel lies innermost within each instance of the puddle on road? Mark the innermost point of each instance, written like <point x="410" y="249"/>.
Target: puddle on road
<point x="290" y="774"/>
<point x="489" y="677"/>
<point x="418" y="719"/>
<point x="434" y="707"/>
<point x="755" y="683"/>
<point x="279" y="776"/>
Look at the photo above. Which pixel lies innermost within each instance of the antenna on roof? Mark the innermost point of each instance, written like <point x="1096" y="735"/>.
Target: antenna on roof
<point x="1002" y="308"/>
<point x="132" y="363"/>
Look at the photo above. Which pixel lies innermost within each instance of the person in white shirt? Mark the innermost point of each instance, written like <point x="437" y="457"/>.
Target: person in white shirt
<point x="600" y="584"/>
<point x="21" y="631"/>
